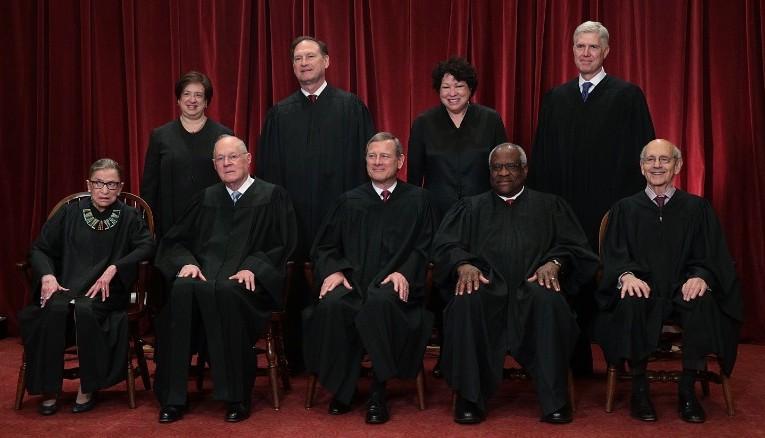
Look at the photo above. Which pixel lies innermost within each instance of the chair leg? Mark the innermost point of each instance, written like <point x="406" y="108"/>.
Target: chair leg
<point x="610" y="388"/>
<point x="571" y="391"/>
<point x="131" y="383"/>
<point x="273" y="373"/>
<point x="21" y="385"/>
<point x="727" y="394"/>
<point x="421" y="389"/>
<point x="143" y="368"/>
<point x="282" y="357"/>
<point x="200" y="368"/>
<point x="310" y="392"/>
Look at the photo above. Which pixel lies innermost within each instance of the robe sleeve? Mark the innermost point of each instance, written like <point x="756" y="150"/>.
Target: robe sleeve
<point x="451" y="246"/>
<point x="327" y="253"/>
<point x="500" y="134"/>
<point x="416" y="162"/>
<point x="640" y="132"/>
<point x="174" y="251"/>
<point x="141" y="248"/>
<point x="571" y="247"/>
<point x="151" y="177"/>
<point x="46" y="252"/>
<point x="269" y="156"/>
<point x="419" y="254"/>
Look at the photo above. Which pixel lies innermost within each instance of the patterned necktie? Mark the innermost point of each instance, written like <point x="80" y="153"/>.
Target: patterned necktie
<point x="235" y="196"/>
<point x="586" y="91"/>
<point x="312" y="98"/>
<point x="660" y="200"/>
<point x="509" y="202"/>
<point x="385" y="195"/>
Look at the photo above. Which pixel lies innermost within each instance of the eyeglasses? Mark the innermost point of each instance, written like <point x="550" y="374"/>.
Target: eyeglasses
<point x="111" y="185"/>
<point x="662" y="159"/>
<point x="230" y="157"/>
<point x="512" y="167"/>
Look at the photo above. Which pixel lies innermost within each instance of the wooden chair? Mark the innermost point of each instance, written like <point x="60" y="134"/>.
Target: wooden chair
<point x="136" y="310"/>
<point x="276" y="356"/>
<point x="670" y="349"/>
<point x="366" y="365"/>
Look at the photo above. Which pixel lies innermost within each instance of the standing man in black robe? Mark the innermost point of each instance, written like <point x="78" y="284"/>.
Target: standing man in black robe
<point x="511" y="255"/>
<point x="589" y="134"/>
<point x="664" y="255"/>
<point x="226" y="257"/>
<point x="312" y="144"/>
<point x="371" y="255"/>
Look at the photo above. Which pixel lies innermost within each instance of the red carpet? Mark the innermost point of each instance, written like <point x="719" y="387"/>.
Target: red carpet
<point x="512" y="412"/>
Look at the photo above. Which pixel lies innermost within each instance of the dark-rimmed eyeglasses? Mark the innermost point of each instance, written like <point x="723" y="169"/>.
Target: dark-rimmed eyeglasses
<point x="111" y="185"/>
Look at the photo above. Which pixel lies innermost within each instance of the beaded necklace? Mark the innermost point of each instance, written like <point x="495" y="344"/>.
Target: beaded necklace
<point x="99" y="224"/>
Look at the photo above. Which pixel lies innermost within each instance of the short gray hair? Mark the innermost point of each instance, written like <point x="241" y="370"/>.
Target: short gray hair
<point x="592" y="27"/>
<point x="676" y="153"/>
<point x="242" y="146"/>
<point x="105" y="163"/>
<point x="509" y="146"/>
<point x="385" y="136"/>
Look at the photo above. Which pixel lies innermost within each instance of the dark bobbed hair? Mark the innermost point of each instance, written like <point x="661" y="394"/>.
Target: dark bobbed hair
<point x="460" y="69"/>
<point x="194" y="77"/>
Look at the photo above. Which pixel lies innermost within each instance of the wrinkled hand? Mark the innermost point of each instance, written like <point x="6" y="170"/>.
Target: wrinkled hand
<point x="247" y="277"/>
<point x="547" y="276"/>
<point x="102" y="284"/>
<point x="694" y="287"/>
<point x="400" y="285"/>
<point x="332" y="281"/>
<point x="634" y="286"/>
<point x="192" y="271"/>
<point x="48" y="287"/>
<point x="469" y="280"/>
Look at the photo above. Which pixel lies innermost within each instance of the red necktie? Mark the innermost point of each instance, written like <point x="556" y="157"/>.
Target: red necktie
<point x="385" y="195"/>
<point x="509" y="202"/>
<point x="312" y="98"/>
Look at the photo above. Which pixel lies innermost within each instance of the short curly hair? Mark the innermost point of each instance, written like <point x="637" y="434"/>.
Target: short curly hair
<point x="457" y="67"/>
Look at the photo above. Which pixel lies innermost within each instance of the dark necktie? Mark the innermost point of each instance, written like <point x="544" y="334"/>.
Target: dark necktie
<point x="660" y="200"/>
<point x="385" y="195"/>
<point x="586" y="91"/>
<point x="509" y="202"/>
<point x="312" y="98"/>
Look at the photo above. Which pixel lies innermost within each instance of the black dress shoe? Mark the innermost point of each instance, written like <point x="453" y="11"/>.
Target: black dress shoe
<point x="466" y="412"/>
<point x="237" y="412"/>
<point x="377" y="410"/>
<point x="79" y="408"/>
<point x="641" y="406"/>
<point x="690" y="409"/>
<point x="47" y="409"/>
<point x="338" y="408"/>
<point x="170" y="413"/>
<point x="561" y="416"/>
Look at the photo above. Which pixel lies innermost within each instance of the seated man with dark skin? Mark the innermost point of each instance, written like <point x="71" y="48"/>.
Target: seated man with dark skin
<point x="370" y="255"/>
<point x="511" y="255"/>
<point x="664" y="257"/>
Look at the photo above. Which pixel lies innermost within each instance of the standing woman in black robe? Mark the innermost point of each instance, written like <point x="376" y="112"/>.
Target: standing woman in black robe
<point x="178" y="159"/>
<point x="83" y="264"/>
<point x="449" y="145"/>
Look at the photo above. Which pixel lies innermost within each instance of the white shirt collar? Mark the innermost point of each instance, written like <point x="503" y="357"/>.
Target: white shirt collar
<point x="317" y="92"/>
<point x="243" y="188"/>
<point x="594" y="81"/>
<point x="379" y="190"/>
<point x="505" y="198"/>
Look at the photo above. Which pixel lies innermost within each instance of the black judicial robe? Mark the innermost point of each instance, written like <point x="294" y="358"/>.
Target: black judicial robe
<point x="452" y="162"/>
<point x="178" y="165"/>
<point x="665" y="248"/>
<point x="508" y="244"/>
<point x="316" y="152"/>
<point x="257" y="234"/>
<point x="78" y="255"/>
<point x="368" y="239"/>
<point x="588" y="152"/>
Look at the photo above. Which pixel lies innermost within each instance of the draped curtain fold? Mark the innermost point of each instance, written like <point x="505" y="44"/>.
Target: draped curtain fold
<point x="84" y="79"/>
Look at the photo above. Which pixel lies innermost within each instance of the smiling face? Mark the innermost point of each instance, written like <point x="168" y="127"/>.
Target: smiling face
<point x="103" y="197"/>
<point x="192" y="101"/>
<point x="232" y="161"/>
<point x="589" y="54"/>
<point x="309" y="64"/>
<point x="383" y="163"/>
<point x="454" y="94"/>
<point x="507" y="172"/>
<point x="659" y="166"/>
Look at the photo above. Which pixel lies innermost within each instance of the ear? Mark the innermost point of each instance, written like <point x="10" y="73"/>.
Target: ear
<point x="605" y="52"/>
<point x="401" y="159"/>
<point x="326" y="61"/>
<point x="678" y="166"/>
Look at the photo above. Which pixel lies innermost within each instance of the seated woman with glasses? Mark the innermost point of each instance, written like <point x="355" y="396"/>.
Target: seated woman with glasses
<point x="83" y="265"/>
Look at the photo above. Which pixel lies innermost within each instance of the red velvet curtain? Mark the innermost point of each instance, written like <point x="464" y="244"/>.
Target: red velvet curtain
<point x="83" y="79"/>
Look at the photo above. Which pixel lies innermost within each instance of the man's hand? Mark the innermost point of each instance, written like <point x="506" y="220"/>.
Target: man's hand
<point x="192" y="271"/>
<point x="694" y="287"/>
<point x="469" y="280"/>
<point x="102" y="284"/>
<point x="547" y="276"/>
<point x="49" y="287"/>
<point x="332" y="281"/>
<point x="400" y="285"/>
<point x="634" y="286"/>
<point x="245" y="276"/>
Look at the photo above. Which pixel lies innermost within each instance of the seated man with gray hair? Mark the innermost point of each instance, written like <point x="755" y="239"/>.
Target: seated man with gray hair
<point x="512" y="256"/>
<point x="664" y="256"/>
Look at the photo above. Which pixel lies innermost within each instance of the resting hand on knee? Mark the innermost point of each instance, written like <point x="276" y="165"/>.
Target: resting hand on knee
<point x="634" y="286"/>
<point x="400" y="285"/>
<point x="547" y="276"/>
<point x="694" y="287"/>
<point x="102" y="284"/>
<point x="470" y="279"/>
<point x="192" y="271"/>
<point x="246" y="277"/>
<point x="49" y="287"/>
<point x="332" y="281"/>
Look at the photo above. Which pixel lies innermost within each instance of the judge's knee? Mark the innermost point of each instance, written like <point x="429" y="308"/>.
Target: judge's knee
<point x="547" y="297"/>
<point x="56" y="305"/>
<point x="378" y="297"/>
